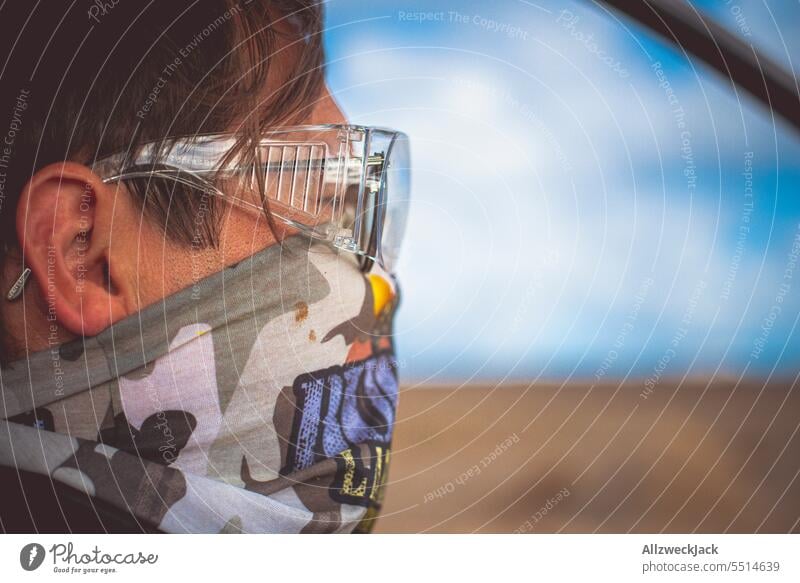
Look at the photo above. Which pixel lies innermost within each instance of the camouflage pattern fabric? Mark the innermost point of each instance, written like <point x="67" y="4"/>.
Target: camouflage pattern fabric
<point x="261" y="399"/>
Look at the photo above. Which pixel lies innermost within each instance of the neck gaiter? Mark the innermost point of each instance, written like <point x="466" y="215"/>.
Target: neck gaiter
<point x="261" y="399"/>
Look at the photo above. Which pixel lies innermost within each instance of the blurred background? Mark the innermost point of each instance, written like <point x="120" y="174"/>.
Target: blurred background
<point x="600" y="268"/>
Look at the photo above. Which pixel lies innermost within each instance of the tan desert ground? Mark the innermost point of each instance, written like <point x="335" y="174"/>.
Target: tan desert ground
<point x="693" y="456"/>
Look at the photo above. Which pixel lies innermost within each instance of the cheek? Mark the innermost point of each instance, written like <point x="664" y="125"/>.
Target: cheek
<point x="157" y="268"/>
<point x="244" y="234"/>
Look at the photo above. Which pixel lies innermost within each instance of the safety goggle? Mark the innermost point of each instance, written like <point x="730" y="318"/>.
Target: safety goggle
<point x="345" y="185"/>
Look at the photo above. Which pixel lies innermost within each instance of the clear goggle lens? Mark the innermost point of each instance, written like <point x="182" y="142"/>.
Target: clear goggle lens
<point x="346" y="185"/>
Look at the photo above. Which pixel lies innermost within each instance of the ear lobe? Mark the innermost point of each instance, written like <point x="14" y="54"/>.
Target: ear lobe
<point x="64" y="222"/>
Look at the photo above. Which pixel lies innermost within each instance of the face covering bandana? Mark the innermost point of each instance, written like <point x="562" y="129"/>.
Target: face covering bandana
<point x="261" y="399"/>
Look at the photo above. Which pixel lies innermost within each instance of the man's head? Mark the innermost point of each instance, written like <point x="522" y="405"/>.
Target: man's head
<point x="100" y="78"/>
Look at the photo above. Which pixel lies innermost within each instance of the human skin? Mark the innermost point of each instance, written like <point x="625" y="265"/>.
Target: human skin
<point x="77" y="233"/>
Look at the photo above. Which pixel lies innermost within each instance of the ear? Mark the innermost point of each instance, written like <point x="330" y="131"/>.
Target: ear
<point x="64" y="224"/>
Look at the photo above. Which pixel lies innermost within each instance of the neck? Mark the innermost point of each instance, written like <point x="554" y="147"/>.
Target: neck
<point x="26" y="325"/>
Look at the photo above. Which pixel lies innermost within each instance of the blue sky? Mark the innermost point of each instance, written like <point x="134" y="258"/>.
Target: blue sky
<point x="587" y="202"/>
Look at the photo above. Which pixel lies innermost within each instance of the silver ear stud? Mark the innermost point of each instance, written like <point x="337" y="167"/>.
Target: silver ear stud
<point x="19" y="285"/>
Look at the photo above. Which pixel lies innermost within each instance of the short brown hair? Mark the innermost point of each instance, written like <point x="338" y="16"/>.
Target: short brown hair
<point x="84" y="80"/>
